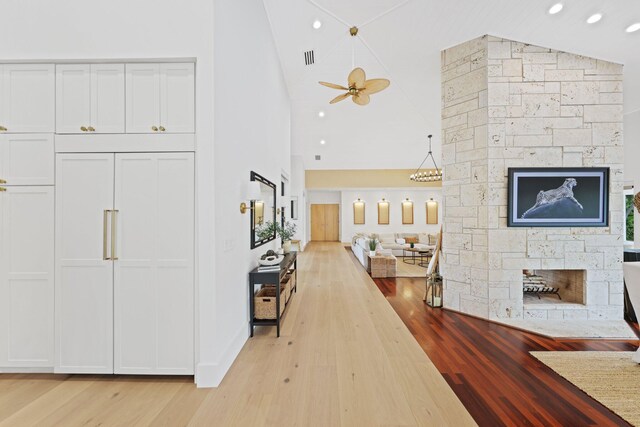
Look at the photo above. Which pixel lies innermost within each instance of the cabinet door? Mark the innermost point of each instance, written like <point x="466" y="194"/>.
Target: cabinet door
<point x="84" y="278"/>
<point x="177" y="100"/>
<point x="107" y="98"/>
<point x="143" y="98"/>
<point x="28" y="98"/>
<point x="73" y="98"/>
<point x="26" y="159"/>
<point x="26" y="277"/>
<point x="154" y="280"/>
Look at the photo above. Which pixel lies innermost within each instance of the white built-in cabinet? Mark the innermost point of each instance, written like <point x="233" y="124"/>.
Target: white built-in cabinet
<point x="97" y="217"/>
<point x="90" y="98"/>
<point x="26" y="159"/>
<point x="26" y="277"/>
<point x="26" y="247"/>
<point x="27" y="98"/>
<point x="125" y="259"/>
<point x="160" y="98"/>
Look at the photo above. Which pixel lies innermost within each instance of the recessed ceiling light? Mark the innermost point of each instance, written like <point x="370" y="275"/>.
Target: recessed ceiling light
<point x="555" y="8"/>
<point x="633" y="28"/>
<point x="321" y="114"/>
<point x="317" y="24"/>
<point x="322" y="142"/>
<point x="594" y="18"/>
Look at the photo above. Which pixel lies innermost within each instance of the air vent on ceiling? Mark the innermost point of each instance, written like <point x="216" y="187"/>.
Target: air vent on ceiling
<point x="318" y="157"/>
<point x="309" y="57"/>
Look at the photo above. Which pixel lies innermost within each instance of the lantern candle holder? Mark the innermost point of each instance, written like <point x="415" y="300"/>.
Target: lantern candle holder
<point x="434" y="291"/>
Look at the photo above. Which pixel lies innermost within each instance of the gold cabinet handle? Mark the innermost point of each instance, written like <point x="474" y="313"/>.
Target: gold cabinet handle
<point x="91" y="129"/>
<point x="83" y="128"/>
<point x="162" y="129"/>
<point x="2" y="189"/>
<point x="3" y="129"/>
<point x="154" y="128"/>
<point x="2" y="181"/>
<point x="105" y="236"/>
<point x="114" y="234"/>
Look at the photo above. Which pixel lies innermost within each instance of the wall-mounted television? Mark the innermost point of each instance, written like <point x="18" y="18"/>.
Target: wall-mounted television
<point x="558" y="197"/>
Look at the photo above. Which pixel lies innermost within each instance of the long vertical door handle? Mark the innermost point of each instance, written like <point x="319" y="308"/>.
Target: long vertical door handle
<point x="114" y="234"/>
<point x="105" y="236"/>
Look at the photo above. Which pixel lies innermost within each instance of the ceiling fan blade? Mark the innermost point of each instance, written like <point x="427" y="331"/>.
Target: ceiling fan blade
<point x="375" y="86"/>
<point x="339" y="98"/>
<point x="333" y="86"/>
<point x="361" y="98"/>
<point x="357" y="78"/>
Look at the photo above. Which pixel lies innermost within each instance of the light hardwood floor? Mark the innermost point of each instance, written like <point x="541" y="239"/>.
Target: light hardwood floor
<point x="344" y="359"/>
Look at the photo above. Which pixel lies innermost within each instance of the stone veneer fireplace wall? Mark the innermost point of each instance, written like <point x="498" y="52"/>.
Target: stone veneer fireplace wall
<point x="511" y="104"/>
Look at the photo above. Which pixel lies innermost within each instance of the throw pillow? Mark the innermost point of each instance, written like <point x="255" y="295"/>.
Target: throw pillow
<point x="400" y="241"/>
<point x="411" y="240"/>
<point x="433" y="239"/>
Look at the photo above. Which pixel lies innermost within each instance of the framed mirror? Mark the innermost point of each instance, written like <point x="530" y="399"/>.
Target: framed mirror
<point x="294" y="207"/>
<point x="358" y="212"/>
<point x="407" y="212"/>
<point x="263" y="211"/>
<point x="432" y="212"/>
<point x="383" y="212"/>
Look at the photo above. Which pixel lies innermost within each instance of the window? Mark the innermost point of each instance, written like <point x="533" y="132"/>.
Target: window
<point x="628" y="218"/>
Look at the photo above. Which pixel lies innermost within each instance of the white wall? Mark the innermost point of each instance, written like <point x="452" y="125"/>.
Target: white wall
<point x="252" y="132"/>
<point x="77" y="29"/>
<point x="395" y="198"/>
<point x="632" y="161"/>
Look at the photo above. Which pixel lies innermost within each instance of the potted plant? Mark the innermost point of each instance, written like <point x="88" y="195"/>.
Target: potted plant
<point x="373" y="244"/>
<point x="285" y="232"/>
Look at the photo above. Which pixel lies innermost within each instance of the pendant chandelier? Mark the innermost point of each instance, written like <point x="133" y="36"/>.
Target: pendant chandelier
<point x="427" y="176"/>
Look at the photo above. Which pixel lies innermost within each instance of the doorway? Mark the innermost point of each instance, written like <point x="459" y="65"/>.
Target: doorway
<point x="325" y="222"/>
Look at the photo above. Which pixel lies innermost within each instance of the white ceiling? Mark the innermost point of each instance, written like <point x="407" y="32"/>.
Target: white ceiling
<point x="405" y="39"/>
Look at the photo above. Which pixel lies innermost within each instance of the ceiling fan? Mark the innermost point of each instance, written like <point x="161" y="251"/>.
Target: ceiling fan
<point x="359" y="88"/>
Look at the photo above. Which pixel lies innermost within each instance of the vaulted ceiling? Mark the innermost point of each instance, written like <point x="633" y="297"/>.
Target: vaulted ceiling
<point x="401" y="40"/>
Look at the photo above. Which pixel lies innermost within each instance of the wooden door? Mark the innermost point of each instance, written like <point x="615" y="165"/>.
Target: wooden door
<point x="153" y="272"/>
<point x="28" y="98"/>
<point x="84" y="272"/>
<point x="177" y="98"/>
<point x="332" y="223"/>
<point x="143" y="98"/>
<point x="317" y="223"/>
<point x="325" y="224"/>
<point x="26" y="276"/>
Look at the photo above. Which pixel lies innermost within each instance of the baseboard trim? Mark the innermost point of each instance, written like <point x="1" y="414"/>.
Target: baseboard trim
<point x="26" y="370"/>
<point x="210" y="375"/>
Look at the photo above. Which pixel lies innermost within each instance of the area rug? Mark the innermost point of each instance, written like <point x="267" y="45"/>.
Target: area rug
<point x="610" y="377"/>
<point x="408" y="270"/>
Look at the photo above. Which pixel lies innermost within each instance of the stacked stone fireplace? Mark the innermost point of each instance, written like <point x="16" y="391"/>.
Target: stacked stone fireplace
<point x="511" y="104"/>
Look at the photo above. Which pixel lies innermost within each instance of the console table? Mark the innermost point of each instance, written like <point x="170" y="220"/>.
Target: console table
<point x="257" y="277"/>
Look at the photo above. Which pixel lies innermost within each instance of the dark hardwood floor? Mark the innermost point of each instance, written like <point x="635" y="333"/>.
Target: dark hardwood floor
<point x="490" y="369"/>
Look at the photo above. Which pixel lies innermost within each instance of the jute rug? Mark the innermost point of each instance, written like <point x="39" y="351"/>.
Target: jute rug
<point x="408" y="270"/>
<point x="610" y="377"/>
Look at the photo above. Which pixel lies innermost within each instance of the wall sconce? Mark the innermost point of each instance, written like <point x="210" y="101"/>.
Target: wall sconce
<point x="253" y="193"/>
<point x="358" y="212"/>
<point x="432" y="211"/>
<point x="407" y="211"/>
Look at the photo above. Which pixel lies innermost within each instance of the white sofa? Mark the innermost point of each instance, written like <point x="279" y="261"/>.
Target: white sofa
<point x="389" y="243"/>
<point x="632" y="280"/>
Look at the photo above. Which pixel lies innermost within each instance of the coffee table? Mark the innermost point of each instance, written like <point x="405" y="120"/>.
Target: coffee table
<point x="417" y="256"/>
